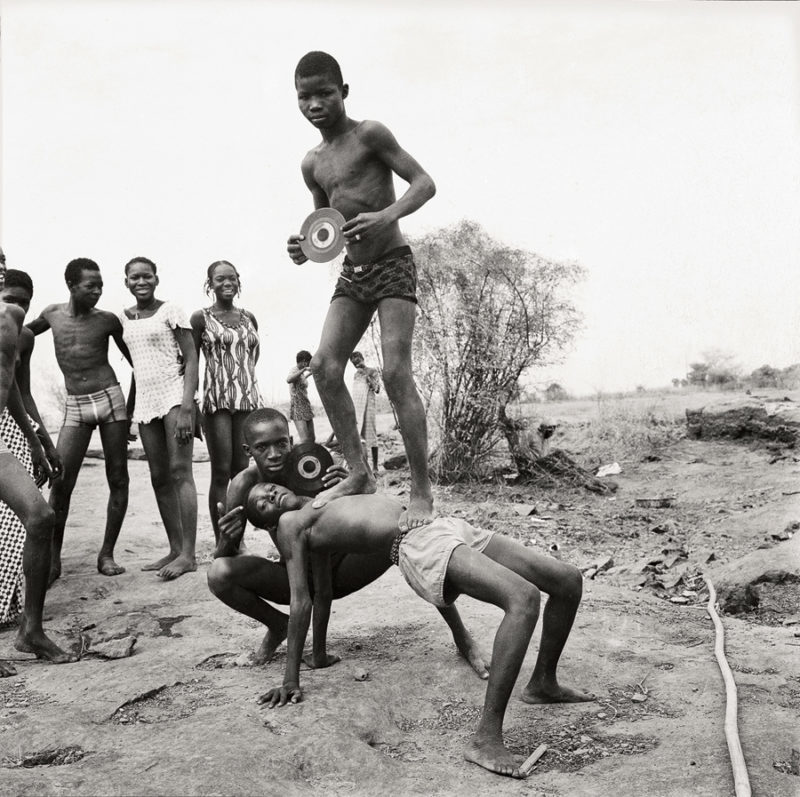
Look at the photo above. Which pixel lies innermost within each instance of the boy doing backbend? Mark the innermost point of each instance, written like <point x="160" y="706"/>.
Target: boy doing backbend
<point x="352" y="170"/>
<point x="81" y="334"/>
<point x="19" y="491"/>
<point x="250" y="584"/>
<point x="439" y="561"/>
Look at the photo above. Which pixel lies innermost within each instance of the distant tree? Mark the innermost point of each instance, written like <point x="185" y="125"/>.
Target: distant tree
<point x="765" y="376"/>
<point x="488" y="313"/>
<point x="641" y="389"/>
<point x="554" y="392"/>
<point x="698" y="373"/>
<point x="676" y="382"/>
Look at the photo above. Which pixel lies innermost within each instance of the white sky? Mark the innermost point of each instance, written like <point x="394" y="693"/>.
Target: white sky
<point x="656" y="143"/>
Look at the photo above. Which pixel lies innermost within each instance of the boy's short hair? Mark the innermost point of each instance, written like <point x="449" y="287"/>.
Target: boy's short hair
<point x="19" y="279"/>
<point x="146" y="260"/>
<point x="357" y="354"/>
<point x="302" y="356"/>
<point x="262" y="415"/>
<point x="76" y="267"/>
<point x="318" y="63"/>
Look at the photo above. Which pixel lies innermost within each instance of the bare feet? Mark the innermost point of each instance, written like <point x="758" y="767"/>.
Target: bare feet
<point x="165" y="560"/>
<point x="491" y="754"/>
<point x="477" y="659"/>
<point x="271" y="642"/>
<point x="329" y="660"/>
<point x="106" y="566"/>
<point x="419" y="513"/>
<point x="360" y="482"/>
<point x="177" y="567"/>
<point x="7" y="670"/>
<point x="554" y="694"/>
<point x="43" y="647"/>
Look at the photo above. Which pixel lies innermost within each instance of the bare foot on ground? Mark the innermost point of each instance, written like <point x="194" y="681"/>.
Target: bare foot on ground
<point x="554" y="694"/>
<point x="165" y="560"/>
<point x="106" y="566"/>
<point x="330" y="660"/>
<point x="7" y="670"/>
<point x="492" y="754"/>
<point x="476" y="657"/>
<point x="42" y="647"/>
<point x="419" y="513"/>
<point x="177" y="567"/>
<point x="271" y="642"/>
<point x="357" y="483"/>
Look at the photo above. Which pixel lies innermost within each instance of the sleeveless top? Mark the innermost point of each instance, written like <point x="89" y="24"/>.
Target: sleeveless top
<point x="157" y="360"/>
<point x="230" y="352"/>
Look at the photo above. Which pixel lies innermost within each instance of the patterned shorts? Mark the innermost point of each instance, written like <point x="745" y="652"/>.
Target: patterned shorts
<point x="4" y="449"/>
<point x="95" y="409"/>
<point x="392" y="276"/>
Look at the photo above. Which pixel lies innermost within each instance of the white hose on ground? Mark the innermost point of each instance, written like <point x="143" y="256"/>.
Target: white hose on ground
<point x="741" y="782"/>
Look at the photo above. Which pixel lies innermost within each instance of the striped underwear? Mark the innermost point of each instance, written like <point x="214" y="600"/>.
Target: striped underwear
<point x="95" y="409"/>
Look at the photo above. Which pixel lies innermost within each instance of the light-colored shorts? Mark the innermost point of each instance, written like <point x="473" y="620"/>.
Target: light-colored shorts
<point x="95" y="409"/>
<point x="424" y="553"/>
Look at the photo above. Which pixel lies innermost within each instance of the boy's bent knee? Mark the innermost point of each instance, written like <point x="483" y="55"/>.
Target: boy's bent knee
<point x="220" y="576"/>
<point x="526" y="600"/>
<point x="325" y="369"/>
<point x="40" y="519"/>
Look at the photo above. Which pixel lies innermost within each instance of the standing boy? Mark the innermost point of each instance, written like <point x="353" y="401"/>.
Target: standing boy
<point x="19" y="491"/>
<point x="94" y="398"/>
<point x="352" y="170"/>
<point x="299" y="406"/>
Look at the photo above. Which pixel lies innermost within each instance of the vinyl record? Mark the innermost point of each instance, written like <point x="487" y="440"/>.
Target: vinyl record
<point x="323" y="237"/>
<point x="305" y="466"/>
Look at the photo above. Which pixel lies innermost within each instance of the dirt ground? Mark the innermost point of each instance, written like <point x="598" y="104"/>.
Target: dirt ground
<point x="179" y="716"/>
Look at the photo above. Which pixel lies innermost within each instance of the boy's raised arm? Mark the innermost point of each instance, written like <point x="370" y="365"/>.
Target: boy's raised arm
<point x="294" y="548"/>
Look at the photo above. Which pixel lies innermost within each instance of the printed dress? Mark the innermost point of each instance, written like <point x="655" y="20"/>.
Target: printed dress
<point x="299" y="405"/>
<point x="12" y="532"/>
<point x="157" y="360"/>
<point x="230" y="352"/>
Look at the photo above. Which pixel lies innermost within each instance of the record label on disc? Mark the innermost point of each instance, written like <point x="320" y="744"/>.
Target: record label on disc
<point x="305" y="466"/>
<point x="322" y="235"/>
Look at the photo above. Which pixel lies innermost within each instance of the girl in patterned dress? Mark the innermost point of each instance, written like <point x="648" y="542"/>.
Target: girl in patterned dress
<point x="159" y="338"/>
<point x="299" y="406"/>
<point x="228" y="337"/>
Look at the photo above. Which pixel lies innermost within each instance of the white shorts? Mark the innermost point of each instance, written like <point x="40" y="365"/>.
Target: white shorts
<point x="425" y="552"/>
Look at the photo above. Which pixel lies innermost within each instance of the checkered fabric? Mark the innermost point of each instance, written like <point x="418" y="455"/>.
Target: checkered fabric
<point x="12" y="532"/>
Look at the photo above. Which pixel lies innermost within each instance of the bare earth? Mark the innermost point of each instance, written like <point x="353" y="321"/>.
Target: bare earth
<point x="179" y="717"/>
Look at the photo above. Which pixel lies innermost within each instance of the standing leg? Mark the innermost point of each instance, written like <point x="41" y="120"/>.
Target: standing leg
<point x="182" y="480"/>
<point x="154" y="442"/>
<point x="563" y="584"/>
<point x="71" y="446"/>
<point x="305" y="431"/>
<point x="114" y="437"/>
<point x="219" y="439"/>
<point x="397" y="317"/>
<point x="479" y="577"/>
<point x="18" y="490"/>
<point x="344" y="325"/>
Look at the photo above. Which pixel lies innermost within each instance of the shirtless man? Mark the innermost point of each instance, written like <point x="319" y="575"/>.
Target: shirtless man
<point x="81" y="334"/>
<point x="439" y="561"/>
<point x="19" y="491"/>
<point x="352" y="170"/>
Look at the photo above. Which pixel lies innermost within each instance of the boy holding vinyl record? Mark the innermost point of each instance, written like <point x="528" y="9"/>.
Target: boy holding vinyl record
<point x="352" y="172"/>
<point x="246" y="582"/>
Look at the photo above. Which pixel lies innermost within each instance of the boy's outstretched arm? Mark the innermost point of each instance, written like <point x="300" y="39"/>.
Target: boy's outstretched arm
<point x="40" y="323"/>
<point x="293" y="546"/>
<point x="421" y="187"/>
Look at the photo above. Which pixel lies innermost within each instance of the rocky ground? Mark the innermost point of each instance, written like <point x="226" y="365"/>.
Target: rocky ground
<point x="179" y="717"/>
